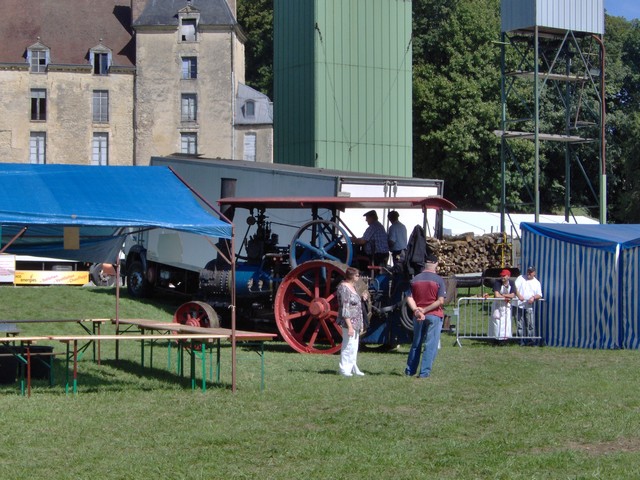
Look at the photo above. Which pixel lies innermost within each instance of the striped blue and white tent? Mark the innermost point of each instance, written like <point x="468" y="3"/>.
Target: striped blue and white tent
<point x="590" y="279"/>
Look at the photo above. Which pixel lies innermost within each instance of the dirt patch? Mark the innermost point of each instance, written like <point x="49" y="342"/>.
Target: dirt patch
<point x="603" y="448"/>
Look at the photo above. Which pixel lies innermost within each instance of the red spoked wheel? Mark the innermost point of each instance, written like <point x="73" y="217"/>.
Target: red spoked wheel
<point x="196" y="314"/>
<point x="306" y="307"/>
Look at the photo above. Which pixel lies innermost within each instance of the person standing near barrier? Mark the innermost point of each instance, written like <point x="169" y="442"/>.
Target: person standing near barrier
<point x="350" y="318"/>
<point x="426" y="299"/>
<point x="504" y="290"/>
<point x="397" y="234"/>
<point x="529" y="290"/>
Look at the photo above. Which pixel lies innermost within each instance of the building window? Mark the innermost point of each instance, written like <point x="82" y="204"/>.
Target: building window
<point x="100" y="149"/>
<point x="188" y="30"/>
<point x="100" y="106"/>
<point x="249" y="147"/>
<point x="100" y="63"/>
<point x="189" y="143"/>
<point x="38" y="59"/>
<point x="38" y="104"/>
<point x="38" y="147"/>
<point x="250" y="108"/>
<point x="189" y="68"/>
<point x="188" y="107"/>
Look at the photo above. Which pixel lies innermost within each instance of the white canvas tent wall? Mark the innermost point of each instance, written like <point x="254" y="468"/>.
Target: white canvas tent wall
<point x="458" y="222"/>
<point x="590" y="278"/>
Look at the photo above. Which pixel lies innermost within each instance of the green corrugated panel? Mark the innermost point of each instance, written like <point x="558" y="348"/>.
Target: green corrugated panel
<point x="357" y="107"/>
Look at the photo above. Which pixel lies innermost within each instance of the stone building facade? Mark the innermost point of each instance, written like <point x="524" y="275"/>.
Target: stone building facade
<point x="113" y="82"/>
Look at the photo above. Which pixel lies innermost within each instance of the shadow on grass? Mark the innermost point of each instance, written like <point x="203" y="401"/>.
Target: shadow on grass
<point x="164" y="376"/>
<point x="382" y="348"/>
<point x="109" y="377"/>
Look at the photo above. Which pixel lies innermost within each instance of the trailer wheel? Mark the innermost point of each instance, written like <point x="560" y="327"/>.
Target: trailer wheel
<point x="137" y="284"/>
<point x="306" y="307"/>
<point x="320" y="240"/>
<point x="196" y="314"/>
<point x="102" y="275"/>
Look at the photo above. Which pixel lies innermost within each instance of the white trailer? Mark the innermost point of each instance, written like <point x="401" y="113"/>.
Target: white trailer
<point x="171" y="261"/>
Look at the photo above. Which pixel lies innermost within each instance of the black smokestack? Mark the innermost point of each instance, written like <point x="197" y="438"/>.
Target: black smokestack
<point x="228" y="189"/>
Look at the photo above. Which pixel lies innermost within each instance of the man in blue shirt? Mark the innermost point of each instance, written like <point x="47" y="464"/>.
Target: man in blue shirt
<point x="397" y="234"/>
<point x="374" y="240"/>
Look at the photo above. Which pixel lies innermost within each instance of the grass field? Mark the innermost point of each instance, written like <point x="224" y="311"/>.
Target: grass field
<point x="487" y="412"/>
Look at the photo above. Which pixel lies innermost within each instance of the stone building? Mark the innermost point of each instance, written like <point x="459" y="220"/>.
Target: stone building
<point x="113" y="82"/>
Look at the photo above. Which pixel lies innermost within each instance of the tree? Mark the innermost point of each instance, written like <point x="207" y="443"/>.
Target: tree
<point x="623" y="132"/>
<point x="457" y="98"/>
<point x="256" y="18"/>
<point x="456" y="108"/>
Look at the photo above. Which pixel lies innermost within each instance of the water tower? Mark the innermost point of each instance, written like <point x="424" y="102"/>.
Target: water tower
<point x="552" y="62"/>
<point x="343" y="85"/>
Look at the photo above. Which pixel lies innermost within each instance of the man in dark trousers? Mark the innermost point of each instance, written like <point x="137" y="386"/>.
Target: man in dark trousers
<point x="425" y="298"/>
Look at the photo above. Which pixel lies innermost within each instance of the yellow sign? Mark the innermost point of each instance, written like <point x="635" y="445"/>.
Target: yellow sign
<point x="51" y="278"/>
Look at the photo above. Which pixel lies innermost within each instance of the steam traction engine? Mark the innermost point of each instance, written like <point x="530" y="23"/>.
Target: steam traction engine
<point x="296" y="283"/>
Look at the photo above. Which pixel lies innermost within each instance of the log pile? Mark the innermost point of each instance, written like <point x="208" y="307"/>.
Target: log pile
<point x="468" y="253"/>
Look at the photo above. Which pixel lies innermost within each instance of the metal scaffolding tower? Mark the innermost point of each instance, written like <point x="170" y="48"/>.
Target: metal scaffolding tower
<point x="552" y="60"/>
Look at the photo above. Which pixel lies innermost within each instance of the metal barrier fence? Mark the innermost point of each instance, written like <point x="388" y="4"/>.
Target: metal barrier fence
<point x="488" y="318"/>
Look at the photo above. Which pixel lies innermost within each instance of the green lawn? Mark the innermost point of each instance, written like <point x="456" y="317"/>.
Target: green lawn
<point x="487" y="412"/>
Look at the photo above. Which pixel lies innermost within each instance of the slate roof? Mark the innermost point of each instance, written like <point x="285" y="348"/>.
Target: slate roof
<point x="165" y="12"/>
<point x="70" y="28"/>
<point x="263" y="114"/>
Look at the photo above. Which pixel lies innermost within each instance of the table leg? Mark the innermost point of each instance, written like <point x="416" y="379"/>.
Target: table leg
<point x="142" y="348"/>
<point x="218" y="363"/>
<point x="28" y="371"/>
<point x="203" y="346"/>
<point x="262" y="366"/>
<point x="193" y="366"/>
<point x="66" y="386"/>
<point x="96" y="327"/>
<point x="75" y="367"/>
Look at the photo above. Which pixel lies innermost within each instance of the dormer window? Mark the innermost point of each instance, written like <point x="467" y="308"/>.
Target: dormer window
<point x="100" y="57"/>
<point x="188" y="30"/>
<point x="250" y="109"/>
<point x="188" y="18"/>
<point x="38" y="58"/>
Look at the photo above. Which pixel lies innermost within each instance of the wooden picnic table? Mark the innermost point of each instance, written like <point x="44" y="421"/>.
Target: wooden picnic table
<point x="94" y="329"/>
<point x="172" y="328"/>
<point x="197" y="339"/>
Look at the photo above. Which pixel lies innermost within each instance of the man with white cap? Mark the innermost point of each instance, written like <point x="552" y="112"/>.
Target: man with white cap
<point x="529" y="290"/>
<point x="425" y="298"/>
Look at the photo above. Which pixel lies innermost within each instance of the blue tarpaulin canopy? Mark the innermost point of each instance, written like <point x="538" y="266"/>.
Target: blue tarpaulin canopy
<point x="102" y="202"/>
<point x="590" y="277"/>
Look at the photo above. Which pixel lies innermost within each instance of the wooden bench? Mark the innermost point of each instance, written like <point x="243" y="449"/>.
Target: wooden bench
<point x="9" y="329"/>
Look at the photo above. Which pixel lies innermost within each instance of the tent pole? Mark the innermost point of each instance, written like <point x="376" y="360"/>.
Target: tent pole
<point x="232" y="257"/>
<point x="16" y="237"/>
<point x="233" y="310"/>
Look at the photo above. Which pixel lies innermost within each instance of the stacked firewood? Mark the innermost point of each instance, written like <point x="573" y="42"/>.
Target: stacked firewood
<point x="468" y="253"/>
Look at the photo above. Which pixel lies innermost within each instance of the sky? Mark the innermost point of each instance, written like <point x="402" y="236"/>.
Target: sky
<point x="628" y="9"/>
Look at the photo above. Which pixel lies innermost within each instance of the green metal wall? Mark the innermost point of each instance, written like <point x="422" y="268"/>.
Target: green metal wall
<point x="342" y="91"/>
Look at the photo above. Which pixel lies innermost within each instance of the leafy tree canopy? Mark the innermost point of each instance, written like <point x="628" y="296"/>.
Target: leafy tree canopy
<point x="456" y="108"/>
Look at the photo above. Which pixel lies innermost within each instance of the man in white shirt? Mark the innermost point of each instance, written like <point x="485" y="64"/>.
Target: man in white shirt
<point x="529" y="290"/>
<point x="397" y="234"/>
